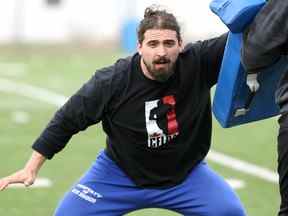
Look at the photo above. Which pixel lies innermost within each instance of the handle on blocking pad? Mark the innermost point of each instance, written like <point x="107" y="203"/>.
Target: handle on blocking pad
<point x="253" y="85"/>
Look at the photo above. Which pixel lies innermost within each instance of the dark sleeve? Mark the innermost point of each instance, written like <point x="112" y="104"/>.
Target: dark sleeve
<point x="86" y="107"/>
<point x="265" y="40"/>
<point x="211" y="54"/>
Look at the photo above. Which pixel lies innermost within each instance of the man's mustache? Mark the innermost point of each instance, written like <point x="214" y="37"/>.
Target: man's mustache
<point x="161" y="60"/>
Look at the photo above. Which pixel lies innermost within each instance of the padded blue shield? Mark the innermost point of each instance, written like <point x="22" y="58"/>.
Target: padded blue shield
<point x="233" y="102"/>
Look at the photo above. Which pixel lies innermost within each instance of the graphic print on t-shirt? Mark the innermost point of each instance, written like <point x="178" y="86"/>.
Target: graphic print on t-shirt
<point x="161" y="122"/>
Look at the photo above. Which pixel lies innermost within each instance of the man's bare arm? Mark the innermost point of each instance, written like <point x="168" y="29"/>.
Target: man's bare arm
<point x="27" y="175"/>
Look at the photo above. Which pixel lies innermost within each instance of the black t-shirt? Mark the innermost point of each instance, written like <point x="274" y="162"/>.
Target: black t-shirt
<point x="156" y="132"/>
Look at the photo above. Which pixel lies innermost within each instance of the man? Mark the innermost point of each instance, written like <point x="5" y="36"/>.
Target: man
<point x="155" y="110"/>
<point x="264" y="43"/>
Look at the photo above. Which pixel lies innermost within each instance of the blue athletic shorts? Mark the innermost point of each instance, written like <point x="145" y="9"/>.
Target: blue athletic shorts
<point x="105" y="190"/>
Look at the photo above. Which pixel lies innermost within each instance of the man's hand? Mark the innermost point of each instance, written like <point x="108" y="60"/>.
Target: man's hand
<point x="27" y="175"/>
<point x="252" y="82"/>
<point x="24" y="176"/>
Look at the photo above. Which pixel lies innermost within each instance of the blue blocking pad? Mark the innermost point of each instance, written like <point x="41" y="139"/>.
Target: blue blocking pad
<point x="236" y="14"/>
<point x="232" y="92"/>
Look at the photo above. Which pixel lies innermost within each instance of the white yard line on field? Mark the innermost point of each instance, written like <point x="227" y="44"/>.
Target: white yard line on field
<point x="31" y="92"/>
<point x="243" y="166"/>
<point x="39" y="183"/>
<point x="220" y="158"/>
<point x="236" y="183"/>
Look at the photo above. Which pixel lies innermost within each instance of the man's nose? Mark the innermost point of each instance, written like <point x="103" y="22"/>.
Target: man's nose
<point x="161" y="51"/>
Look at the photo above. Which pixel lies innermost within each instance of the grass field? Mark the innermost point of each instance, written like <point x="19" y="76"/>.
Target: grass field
<point x="62" y="71"/>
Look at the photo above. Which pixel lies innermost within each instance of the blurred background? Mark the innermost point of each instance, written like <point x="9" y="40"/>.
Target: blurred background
<point x="49" y="48"/>
<point x="67" y="21"/>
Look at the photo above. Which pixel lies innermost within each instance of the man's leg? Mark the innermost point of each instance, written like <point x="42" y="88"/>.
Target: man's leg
<point x="103" y="191"/>
<point x="203" y="193"/>
<point x="283" y="163"/>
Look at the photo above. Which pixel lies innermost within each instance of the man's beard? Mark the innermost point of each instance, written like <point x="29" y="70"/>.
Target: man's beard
<point x="162" y="74"/>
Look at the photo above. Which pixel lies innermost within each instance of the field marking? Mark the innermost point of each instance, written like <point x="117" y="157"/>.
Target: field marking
<point x="236" y="183"/>
<point x="217" y="157"/>
<point x="20" y="117"/>
<point x="32" y="92"/>
<point x="39" y="183"/>
<point x="243" y="166"/>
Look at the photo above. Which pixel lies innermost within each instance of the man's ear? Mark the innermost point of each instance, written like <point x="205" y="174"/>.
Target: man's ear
<point x="181" y="44"/>
<point x="139" y="46"/>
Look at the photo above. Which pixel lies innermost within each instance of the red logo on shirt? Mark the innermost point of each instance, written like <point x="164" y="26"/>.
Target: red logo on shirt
<point x="171" y="115"/>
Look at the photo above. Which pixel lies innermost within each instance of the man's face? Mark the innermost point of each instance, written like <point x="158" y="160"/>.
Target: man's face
<point x="159" y="50"/>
